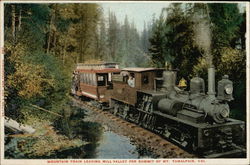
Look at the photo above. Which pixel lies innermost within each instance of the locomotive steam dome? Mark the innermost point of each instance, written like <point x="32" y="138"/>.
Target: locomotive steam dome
<point x="197" y="85"/>
<point x="169" y="80"/>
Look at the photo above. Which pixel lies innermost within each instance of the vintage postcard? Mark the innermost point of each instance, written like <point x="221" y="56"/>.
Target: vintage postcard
<point x="108" y="82"/>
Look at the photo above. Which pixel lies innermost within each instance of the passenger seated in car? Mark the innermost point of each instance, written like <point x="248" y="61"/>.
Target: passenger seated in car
<point x="131" y="81"/>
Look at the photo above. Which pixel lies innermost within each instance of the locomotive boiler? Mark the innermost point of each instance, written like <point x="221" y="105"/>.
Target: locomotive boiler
<point x="196" y="101"/>
<point x="195" y="120"/>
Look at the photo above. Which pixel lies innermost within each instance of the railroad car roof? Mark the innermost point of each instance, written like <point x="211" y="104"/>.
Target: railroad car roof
<point x="98" y="67"/>
<point x="100" y="63"/>
<point x="141" y="69"/>
<point x="106" y="70"/>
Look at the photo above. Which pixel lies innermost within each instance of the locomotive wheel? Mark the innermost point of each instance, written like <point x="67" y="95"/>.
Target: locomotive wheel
<point x="100" y="106"/>
<point x="116" y="108"/>
<point x="125" y="112"/>
<point x="139" y="121"/>
<point x="194" y="147"/>
<point x="125" y="115"/>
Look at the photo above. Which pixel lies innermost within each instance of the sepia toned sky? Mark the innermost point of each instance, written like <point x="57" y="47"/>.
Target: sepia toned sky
<point x="137" y="12"/>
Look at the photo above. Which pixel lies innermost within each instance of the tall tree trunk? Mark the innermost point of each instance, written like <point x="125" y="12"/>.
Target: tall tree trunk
<point x="64" y="50"/>
<point x="54" y="43"/>
<point x="50" y="31"/>
<point x="20" y="20"/>
<point x="97" y="49"/>
<point x="81" y="39"/>
<point x="13" y="13"/>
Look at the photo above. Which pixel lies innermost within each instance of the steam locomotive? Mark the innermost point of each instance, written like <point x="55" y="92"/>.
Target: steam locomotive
<point x="194" y="120"/>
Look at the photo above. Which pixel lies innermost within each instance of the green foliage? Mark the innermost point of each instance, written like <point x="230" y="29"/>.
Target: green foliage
<point x="226" y="21"/>
<point x="158" y="49"/>
<point x="30" y="78"/>
<point x="12" y="151"/>
<point x="45" y="142"/>
<point x="40" y="57"/>
<point x="39" y="79"/>
<point x="43" y="42"/>
<point x="233" y="62"/>
<point x="173" y="40"/>
<point x="238" y="107"/>
<point x="85" y="29"/>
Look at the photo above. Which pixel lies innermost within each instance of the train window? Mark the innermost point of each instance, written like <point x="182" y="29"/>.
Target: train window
<point x="109" y="76"/>
<point x="109" y="79"/>
<point x="94" y="79"/>
<point x="125" y="79"/>
<point x="81" y="77"/>
<point x="159" y="74"/>
<point x="93" y="82"/>
<point x="101" y="80"/>
<point x="90" y="78"/>
<point x="145" y="79"/>
<point x="87" y="78"/>
<point x="84" y="78"/>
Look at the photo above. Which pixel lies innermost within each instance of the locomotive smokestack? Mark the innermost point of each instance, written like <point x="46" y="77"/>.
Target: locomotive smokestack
<point x="211" y="81"/>
<point x="169" y="79"/>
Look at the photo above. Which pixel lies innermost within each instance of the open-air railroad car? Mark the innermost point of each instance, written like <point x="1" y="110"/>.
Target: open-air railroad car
<point x="94" y="80"/>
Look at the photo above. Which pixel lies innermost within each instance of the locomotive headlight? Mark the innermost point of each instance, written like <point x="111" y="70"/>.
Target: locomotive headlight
<point x="206" y="132"/>
<point x="242" y="127"/>
<point x="229" y="89"/>
<point x="224" y="112"/>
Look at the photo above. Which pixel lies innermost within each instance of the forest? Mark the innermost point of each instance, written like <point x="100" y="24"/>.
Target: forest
<point x="43" y="43"/>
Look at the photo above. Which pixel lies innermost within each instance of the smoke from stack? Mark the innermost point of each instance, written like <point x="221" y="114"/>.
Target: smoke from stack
<point x="202" y="34"/>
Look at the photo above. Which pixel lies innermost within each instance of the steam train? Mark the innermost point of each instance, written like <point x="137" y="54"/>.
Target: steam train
<point x="194" y="120"/>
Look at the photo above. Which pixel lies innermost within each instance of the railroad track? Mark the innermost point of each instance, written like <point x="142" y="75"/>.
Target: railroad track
<point x="153" y="142"/>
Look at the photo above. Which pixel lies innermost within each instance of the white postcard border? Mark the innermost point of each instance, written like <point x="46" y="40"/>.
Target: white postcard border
<point x="45" y="161"/>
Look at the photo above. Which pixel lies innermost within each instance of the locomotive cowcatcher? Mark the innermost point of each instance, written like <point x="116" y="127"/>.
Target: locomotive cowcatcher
<point x="195" y="120"/>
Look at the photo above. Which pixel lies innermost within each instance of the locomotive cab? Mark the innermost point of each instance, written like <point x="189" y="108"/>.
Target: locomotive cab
<point x="143" y="79"/>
